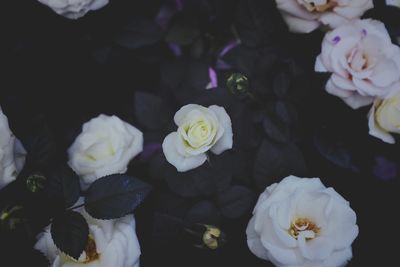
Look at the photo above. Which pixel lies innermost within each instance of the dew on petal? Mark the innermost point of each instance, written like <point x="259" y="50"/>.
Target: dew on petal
<point x="336" y="40"/>
<point x="364" y="32"/>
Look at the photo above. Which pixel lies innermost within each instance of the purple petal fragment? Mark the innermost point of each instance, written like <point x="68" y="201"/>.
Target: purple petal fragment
<point x="227" y="48"/>
<point x="221" y="64"/>
<point x="364" y="32"/>
<point x="213" y="78"/>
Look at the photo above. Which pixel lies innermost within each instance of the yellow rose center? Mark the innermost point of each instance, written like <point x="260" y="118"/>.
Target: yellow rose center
<point x="311" y="6"/>
<point x="100" y="151"/>
<point x="91" y="251"/>
<point x="199" y="132"/>
<point x="301" y="225"/>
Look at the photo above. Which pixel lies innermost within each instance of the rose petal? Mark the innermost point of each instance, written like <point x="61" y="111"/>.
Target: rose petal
<point x="294" y="9"/>
<point x="183" y="111"/>
<point x="351" y="12"/>
<point x="343" y="83"/>
<point x="385" y="73"/>
<point x="254" y="242"/>
<point x="339" y="258"/>
<point x="376" y="131"/>
<point x="332" y="89"/>
<point x="299" y="25"/>
<point x="319" y="66"/>
<point x="225" y="142"/>
<point x="356" y="101"/>
<point x="180" y="162"/>
<point x="332" y="20"/>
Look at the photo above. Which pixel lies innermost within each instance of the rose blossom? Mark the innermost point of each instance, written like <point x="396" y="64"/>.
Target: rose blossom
<point x="384" y="117"/>
<point x="363" y="61"/>
<point x="299" y="222"/>
<point x="200" y="129"/>
<point x="105" y="146"/>
<point x="306" y="15"/>
<point x="12" y="153"/>
<point x="111" y="243"/>
<point x="74" y="9"/>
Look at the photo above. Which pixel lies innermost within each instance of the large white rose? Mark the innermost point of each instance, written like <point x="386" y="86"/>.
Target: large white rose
<point x="301" y="223"/>
<point x="112" y="243"/>
<point x="200" y="129"/>
<point x="12" y="153"/>
<point x="305" y="16"/>
<point x="384" y="117"/>
<point x="74" y="9"/>
<point x="363" y="61"/>
<point x="106" y="146"/>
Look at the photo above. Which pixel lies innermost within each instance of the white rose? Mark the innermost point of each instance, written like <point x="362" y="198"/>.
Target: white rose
<point x="12" y="153"/>
<point x="200" y="129"/>
<point x="74" y="9"/>
<point x="305" y="16"/>
<point x="384" y="118"/>
<point x="105" y="146"/>
<point x="363" y="61"/>
<point x="299" y="222"/>
<point x="112" y="243"/>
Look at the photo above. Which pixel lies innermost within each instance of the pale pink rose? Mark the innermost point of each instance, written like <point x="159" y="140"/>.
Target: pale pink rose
<point x="306" y="15"/>
<point x="363" y="61"/>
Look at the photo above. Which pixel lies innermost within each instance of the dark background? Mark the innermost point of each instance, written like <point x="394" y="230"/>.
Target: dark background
<point x="65" y="70"/>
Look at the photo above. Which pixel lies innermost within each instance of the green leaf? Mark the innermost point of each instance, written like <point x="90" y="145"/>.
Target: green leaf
<point x="182" y="34"/>
<point x="151" y="110"/>
<point x="235" y="201"/>
<point x="203" y="212"/>
<point x="114" y="196"/>
<point x="276" y="161"/>
<point x="63" y="182"/>
<point x="276" y="129"/>
<point x="139" y="33"/>
<point x="70" y="233"/>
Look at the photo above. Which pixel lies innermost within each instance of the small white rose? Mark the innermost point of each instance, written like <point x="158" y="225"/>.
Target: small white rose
<point x="384" y="117"/>
<point x="299" y="222"/>
<point x="363" y="61"/>
<point x="106" y="146"/>
<point x="304" y="16"/>
<point x="111" y="243"/>
<point x="74" y="9"/>
<point x="12" y="153"/>
<point x="200" y="129"/>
